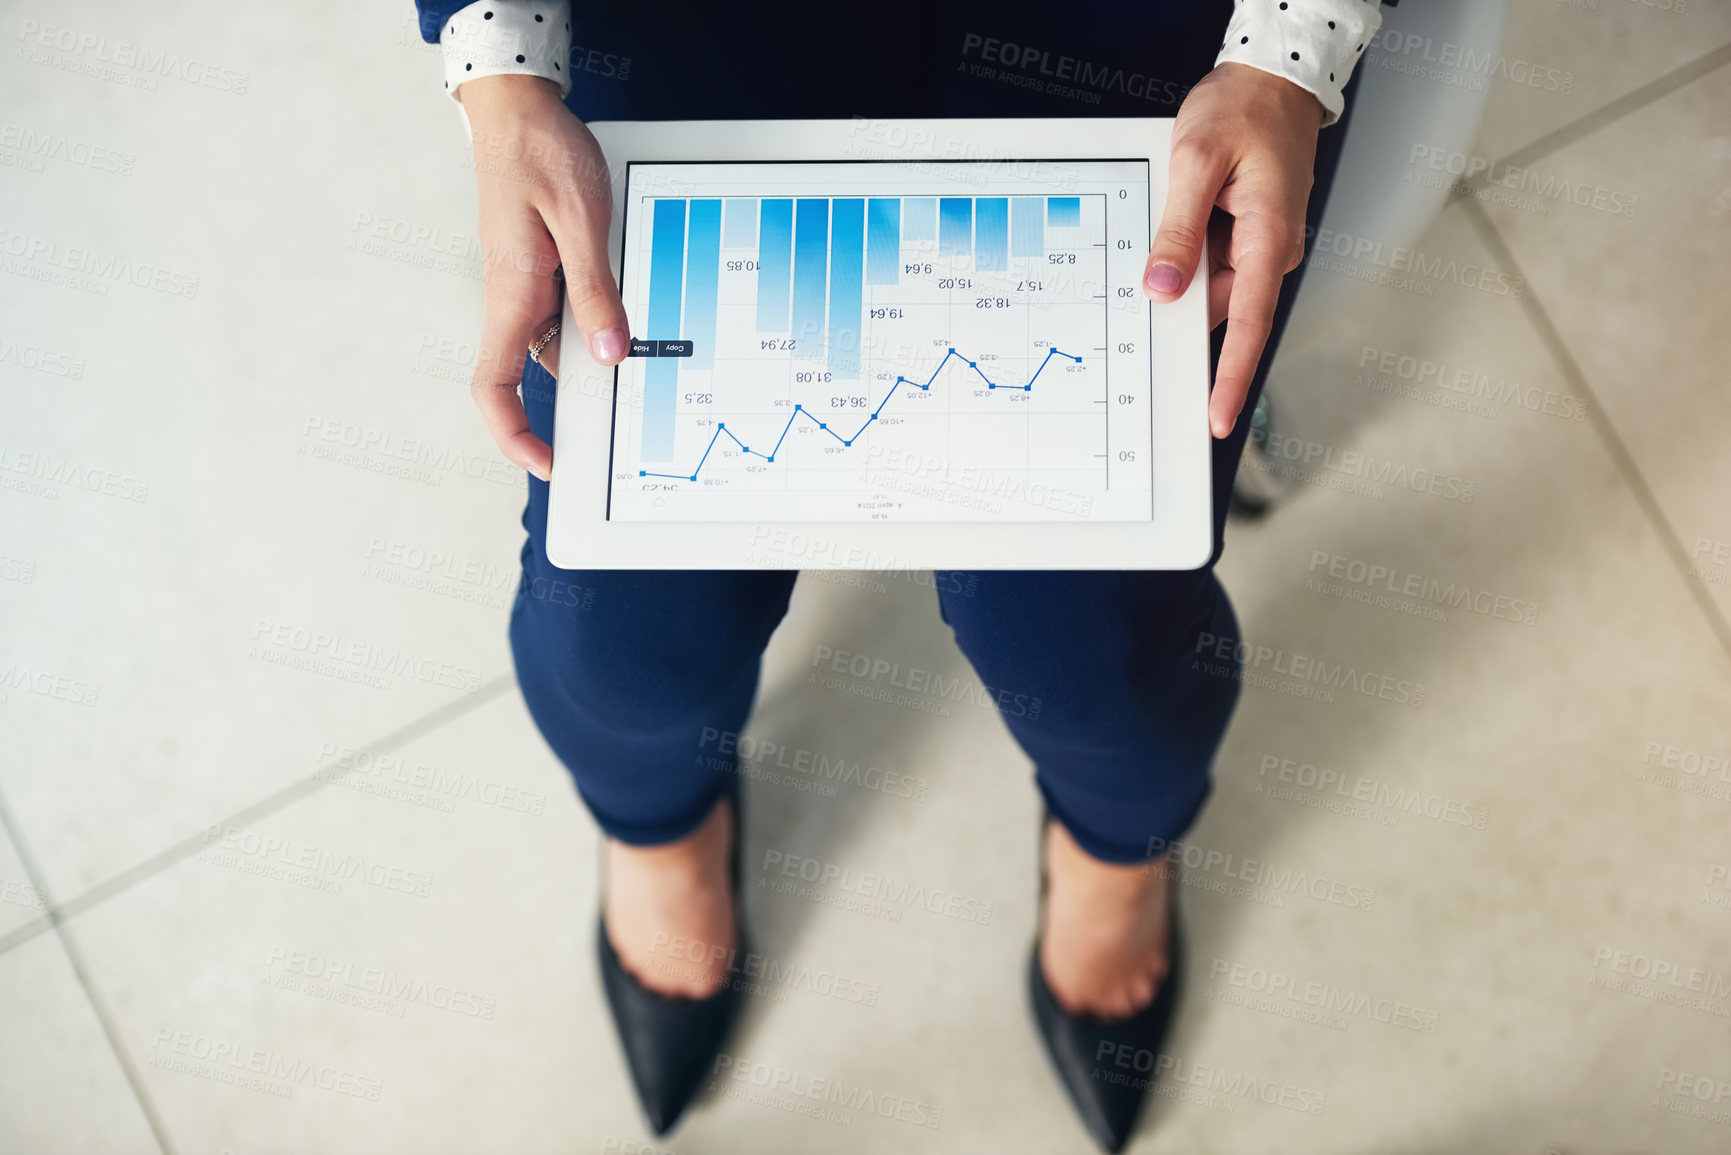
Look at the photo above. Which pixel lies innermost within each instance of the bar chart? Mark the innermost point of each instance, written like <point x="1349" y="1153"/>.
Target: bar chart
<point x="842" y="341"/>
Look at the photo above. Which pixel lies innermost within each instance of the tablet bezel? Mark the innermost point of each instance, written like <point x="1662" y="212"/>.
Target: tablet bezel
<point x="1180" y="534"/>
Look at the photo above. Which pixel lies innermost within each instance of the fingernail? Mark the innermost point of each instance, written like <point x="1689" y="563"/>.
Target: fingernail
<point x="608" y="345"/>
<point x="1164" y="278"/>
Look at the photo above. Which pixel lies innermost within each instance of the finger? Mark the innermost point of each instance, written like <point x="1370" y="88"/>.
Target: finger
<point x="520" y="296"/>
<point x="580" y="231"/>
<point x="507" y="421"/>
<point x="1195" y="175"/>
<point x="1258" y="266"/>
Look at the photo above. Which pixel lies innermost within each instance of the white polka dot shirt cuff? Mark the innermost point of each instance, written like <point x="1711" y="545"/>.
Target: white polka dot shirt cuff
<point x="1313" y="43"/>
<point x="508" y="37"/>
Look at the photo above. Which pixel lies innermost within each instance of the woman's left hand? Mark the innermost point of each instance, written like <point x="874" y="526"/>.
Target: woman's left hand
<point x="1245" y="141"/>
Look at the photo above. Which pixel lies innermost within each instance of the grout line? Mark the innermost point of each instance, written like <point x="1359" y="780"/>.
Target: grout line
<point x="76" y="960"/>
<point x="112" y="1032"/>
<point x="1559" y="139"/>
<point x="1597" y="416"/>
<point x="293" y="792"/>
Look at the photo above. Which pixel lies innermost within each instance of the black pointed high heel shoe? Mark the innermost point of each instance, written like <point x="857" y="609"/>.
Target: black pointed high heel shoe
<point x="670" y="1042"/>
<point x="1107" y="1068"/>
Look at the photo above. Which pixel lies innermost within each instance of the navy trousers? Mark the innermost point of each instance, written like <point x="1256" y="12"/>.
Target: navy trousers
<point x="629" y="674"/>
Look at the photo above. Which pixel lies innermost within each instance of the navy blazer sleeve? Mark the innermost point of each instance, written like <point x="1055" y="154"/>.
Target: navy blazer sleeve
<point x="434" y="13"/>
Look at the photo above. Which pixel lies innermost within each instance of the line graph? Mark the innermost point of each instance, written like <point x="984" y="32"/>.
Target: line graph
<point x="800" y="410"/>
<point x="796" y="326"/>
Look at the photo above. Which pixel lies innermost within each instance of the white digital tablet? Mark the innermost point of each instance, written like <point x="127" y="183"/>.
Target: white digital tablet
<point x="878" y="344"/>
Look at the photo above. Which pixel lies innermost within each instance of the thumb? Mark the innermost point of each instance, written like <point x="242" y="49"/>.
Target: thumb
<point x="589" y="286"/>
<point x="1193" y="184"/>
<point x="518" y="305"/>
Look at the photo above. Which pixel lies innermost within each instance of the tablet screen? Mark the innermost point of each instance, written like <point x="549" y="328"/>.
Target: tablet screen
<point x="947" y="341"/>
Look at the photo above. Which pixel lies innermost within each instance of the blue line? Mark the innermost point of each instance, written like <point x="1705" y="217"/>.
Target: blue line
<point x="887" y="397"/>
<point x="1030" y="385"/>
<point x="706" y="450"/>
<point x="784" y="430"/>
<point x="798" y="409"/>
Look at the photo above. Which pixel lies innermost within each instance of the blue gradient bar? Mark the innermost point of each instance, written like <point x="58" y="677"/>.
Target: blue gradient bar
<point x="955" y="226"/>
<point x="920" y="219"/>
<point x="702" y="273"/>
<point x="774" y="266"/>
<point x="1027" y="228"/>
<point x="991" y="233"/>
<point x="661" y="374"/>
<point x="739" y="224"/>
<point x="883" y="240"/>
<point x="846" y="267"/>
<point x="1064" y="212"/>
<point x="810" y="253"/>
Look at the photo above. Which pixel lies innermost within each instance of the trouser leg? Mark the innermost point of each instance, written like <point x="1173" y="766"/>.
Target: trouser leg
<point x="1097" y="675"/>
<point x="635" y="676"/>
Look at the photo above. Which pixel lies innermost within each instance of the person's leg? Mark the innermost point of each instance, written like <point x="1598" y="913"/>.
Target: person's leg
<point x="633" y="678"/>
<point x="1096" y="677"/>
<point x="632" y="674"/>
<point x="1131" y="717"/>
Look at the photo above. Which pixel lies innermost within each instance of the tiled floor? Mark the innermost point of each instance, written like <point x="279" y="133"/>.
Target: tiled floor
<point x="1537" y="958"/>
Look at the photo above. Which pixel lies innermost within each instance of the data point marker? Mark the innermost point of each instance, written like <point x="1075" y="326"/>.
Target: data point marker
<point x="642" y="473"/>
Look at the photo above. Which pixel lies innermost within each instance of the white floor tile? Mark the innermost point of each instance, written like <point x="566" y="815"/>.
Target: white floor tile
<point x="304" y="495"/>
<point x="1543" y="729"/>
<point x="21" y="900"/>
<point x="61" y="1090"/>
<point x="1629" y="293"/>
<point x="1561" y="60"/>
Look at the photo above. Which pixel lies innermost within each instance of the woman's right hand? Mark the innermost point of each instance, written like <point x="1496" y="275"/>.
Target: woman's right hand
<point x="546" y="202"/>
